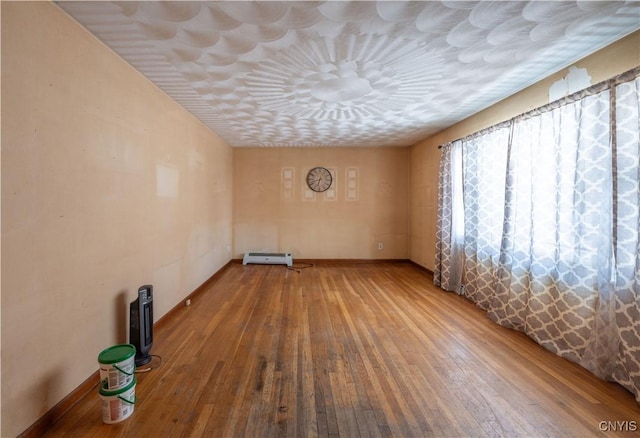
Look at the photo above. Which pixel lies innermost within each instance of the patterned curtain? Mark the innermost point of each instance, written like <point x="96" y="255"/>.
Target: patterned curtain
<point x="484" y="161"/>
<point x="551" y="208"/>
<point x="627" y="288"/>
<point x="450" y="225"/>
<point x="557" y="244"/>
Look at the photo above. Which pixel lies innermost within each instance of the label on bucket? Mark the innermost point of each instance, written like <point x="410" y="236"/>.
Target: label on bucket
<point x="116" y="410"/>
<point x="115" y="378"/>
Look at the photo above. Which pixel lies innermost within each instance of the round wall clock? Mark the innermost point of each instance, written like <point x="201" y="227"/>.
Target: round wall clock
<point x="319" y="179"/>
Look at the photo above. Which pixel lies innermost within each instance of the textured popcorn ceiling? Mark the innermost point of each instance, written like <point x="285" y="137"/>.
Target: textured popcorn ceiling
<point x="337" y="73"/>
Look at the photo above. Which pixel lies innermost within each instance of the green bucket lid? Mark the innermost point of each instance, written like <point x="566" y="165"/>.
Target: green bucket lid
<point x="117" y="353"/>
<point x="111" y="392"/>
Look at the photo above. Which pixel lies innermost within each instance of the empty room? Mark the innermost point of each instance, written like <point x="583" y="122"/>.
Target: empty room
<point x="320" y="218"/>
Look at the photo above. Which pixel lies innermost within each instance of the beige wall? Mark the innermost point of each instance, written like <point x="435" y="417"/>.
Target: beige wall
<point x="367" y="204"/>
<point x="424" y="157"/>
<point x="107" y="184"/>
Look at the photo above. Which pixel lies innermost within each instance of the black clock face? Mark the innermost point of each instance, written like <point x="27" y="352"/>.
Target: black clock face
<point x="319" y="179"/>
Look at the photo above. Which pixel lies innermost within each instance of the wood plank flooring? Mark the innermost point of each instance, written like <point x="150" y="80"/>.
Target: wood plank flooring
<point x="350" y="350"/>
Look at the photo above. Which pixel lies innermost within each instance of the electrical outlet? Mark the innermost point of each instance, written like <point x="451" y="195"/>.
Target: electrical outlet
<point x="380" y="245"/>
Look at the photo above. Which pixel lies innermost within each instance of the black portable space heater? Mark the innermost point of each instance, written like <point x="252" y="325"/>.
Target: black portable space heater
<point x="141" y="324"/>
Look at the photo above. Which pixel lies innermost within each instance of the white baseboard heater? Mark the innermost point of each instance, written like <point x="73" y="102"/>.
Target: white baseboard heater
<point x="266" y="258"/>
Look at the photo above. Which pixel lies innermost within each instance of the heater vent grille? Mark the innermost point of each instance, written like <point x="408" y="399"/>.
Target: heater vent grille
<point x="267" y="258"/>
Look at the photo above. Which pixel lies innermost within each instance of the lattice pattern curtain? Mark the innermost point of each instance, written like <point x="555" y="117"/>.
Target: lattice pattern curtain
<point x="484" y="161"/>
<point x="551" y="202"/>
<point x="627" y="286"/>
<point x="557" y="243"/>
<point x="449" y="252"/>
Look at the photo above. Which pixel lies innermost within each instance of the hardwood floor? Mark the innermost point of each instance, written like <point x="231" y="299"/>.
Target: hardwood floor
<point x="350" y="350"/>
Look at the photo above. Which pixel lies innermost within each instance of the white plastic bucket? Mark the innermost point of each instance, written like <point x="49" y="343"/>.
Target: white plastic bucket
<point x="117" y="366"/>
<point x="117" y="405"/>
